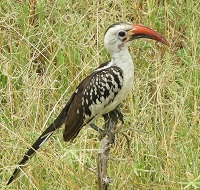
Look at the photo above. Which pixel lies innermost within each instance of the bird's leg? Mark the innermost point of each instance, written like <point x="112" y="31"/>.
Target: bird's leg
<point x="102" y="132"/>
<point x="119" y="114"/>
<point x="110" y="123"/>
<point x="116" y="113"/>
<point x="96" y="128"/>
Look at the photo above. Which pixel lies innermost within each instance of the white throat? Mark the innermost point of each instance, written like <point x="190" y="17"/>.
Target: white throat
<point x="123" y="60"/>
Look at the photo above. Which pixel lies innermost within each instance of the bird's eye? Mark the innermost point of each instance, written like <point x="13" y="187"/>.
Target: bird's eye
<point x="122" y="34"/>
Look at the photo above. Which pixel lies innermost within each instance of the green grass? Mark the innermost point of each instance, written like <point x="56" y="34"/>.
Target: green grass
<point x="48" y="47"/>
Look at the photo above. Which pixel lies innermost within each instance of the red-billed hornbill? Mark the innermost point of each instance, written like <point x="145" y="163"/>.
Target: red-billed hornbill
<point x="102" y="90"/>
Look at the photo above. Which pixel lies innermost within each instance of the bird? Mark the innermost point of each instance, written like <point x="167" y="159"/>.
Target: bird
<point x="102" y="90"/>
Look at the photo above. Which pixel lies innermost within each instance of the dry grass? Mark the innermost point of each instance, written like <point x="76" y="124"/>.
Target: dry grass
<point x="48" y="47"/>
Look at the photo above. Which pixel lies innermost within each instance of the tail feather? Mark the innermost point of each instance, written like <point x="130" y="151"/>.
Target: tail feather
<point x="42" y="139"/>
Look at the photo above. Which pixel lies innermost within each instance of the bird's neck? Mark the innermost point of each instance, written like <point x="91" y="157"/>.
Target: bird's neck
<point x="122" y="58"/>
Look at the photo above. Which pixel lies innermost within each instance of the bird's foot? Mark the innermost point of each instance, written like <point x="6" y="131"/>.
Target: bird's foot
<point x="103" y="133"/>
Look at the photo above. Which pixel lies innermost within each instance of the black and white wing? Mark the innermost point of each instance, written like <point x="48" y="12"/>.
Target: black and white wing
<point x="94" y="96"/>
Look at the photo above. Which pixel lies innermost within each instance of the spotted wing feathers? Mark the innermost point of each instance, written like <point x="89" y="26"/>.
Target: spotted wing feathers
<point x="94" y="96"/>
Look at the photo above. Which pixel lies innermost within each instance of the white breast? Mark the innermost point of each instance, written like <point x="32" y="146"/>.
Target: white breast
<point x="124" y="61"/>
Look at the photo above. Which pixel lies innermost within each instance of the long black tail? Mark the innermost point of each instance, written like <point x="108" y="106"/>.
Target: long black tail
<point x="42" y="139"/>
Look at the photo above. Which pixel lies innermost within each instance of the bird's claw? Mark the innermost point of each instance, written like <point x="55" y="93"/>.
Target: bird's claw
<point x="110" y="134"/>
<point x="107" y="132"/>
<point x="103" y="133"/>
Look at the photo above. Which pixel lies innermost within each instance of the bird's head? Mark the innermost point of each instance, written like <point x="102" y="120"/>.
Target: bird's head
<point x="118" y="36"/>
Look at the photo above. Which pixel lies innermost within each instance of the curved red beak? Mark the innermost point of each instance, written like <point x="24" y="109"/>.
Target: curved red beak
<point x="140" y="31"/>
